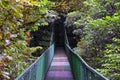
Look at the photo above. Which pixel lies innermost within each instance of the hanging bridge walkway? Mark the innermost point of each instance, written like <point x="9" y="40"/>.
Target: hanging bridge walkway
<point x="59" y="62"/>
<point x="60" y="67"/>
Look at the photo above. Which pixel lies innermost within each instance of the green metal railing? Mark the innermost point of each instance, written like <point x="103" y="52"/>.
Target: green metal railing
<point x="39" y="68"/>
<point x="80" y="69"/>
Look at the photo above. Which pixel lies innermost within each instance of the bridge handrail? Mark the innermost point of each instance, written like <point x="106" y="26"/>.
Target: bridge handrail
<point x="84" y="72"/>
<point x="101" y="77"/>
<point x="32" y="72"/>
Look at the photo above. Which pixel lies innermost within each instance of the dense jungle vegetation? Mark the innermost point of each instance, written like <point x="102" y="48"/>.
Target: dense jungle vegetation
<point x="94" y="26"/>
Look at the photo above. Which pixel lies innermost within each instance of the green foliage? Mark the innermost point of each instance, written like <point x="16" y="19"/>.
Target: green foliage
<point x="99" y="22"/>
<point x="97" y="30"/>
<point x="111" y="61"/>
<point x="93" y="6"/>
<point x="72" y="17"/>
<point x="67" y="5"/>
<point x="21" y="55"/>
<point x="17" y="17"/>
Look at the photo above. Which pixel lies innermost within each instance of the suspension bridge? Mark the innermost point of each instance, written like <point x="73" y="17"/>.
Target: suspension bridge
<point x="59" y="62"/>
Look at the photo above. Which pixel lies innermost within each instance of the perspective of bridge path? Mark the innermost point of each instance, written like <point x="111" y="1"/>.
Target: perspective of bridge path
<point x="60" y="67"/>
<point x="59" y="62"/>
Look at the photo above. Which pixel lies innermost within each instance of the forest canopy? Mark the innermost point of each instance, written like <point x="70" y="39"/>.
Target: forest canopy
<point x="17" y="19"/>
